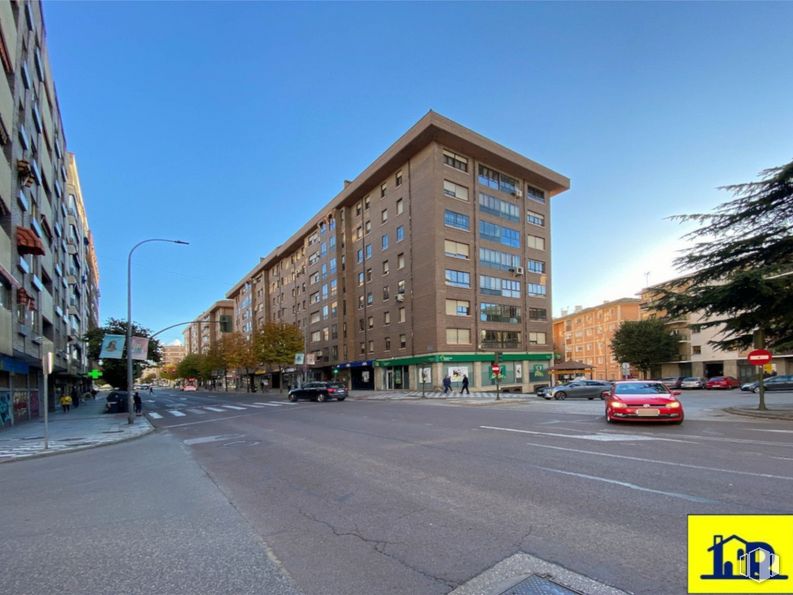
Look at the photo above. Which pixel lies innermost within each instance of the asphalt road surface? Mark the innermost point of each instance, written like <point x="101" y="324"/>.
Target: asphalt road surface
<point x="422" y="496"/>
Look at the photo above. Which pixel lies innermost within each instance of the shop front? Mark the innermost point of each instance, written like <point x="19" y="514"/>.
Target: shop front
<point x="357" y="375"/>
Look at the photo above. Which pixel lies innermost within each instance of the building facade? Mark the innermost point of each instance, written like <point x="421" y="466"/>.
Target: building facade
<point x="49" y="276"/>
<point x="172" y="355"/>
<point x="585" y="335"/>
<point x="435" y="260"/>
<point x="201" y="334"/>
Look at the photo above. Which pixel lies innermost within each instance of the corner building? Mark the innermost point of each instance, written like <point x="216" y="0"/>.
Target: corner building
<point x="436" y="259"/>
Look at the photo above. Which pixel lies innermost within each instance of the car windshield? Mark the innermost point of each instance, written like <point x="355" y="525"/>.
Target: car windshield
<point x="690" y="379"/>
<point x="641" y="388"/>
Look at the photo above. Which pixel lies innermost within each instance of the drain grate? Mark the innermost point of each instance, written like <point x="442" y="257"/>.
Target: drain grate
<point x="538" y="585"/>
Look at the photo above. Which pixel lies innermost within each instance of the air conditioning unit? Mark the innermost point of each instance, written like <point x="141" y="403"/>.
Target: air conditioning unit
<point x="519" y="271"/>
<point x="518" y="192"/>
<point x="400" y="297"/>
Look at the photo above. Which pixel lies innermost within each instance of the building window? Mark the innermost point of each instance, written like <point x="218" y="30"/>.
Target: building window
<point x="400" y="233"/>
<point x="536" y="289"/>
<point x="537" y="338"/>
<point x="398" y="179"/>
<point x="504" y="339"/>
<point x="360" y="278"/>
<point x="384" y="242"/>
<point x="498" y="260"/>
<point x="401" y="287"/>
<point x="368" y="252"/>
<point x="401" y="315"/>
<point x="536" y="266"/>
<point x="458" y="278"/>
<point x="384" y="216"/>
<point x="454" y="160"/>
<point x="370" y="298"/>
<point x="388" y="343"/>
<point x="498" y="181"/>
<point x="360" y="301"/>
<point x="363" y="348"/>
<point x="315" y="317"/>
<point x="386" y="292"/>
<point x="383" y="188"/>
<point x="403" y="341"/>
<point x="456" y="249"/>
<point x="314" y="299"/>
<point x="458" y="307"/>
<point x="535" y="194"/>
<point x="499" y="313"/>
<point x="538" y="314"/>
<point x="498" y="208"/>
<point x="458" y="336"/>
<point x="535" y="218"/>
<point x="496" y="286"/>
<point x="400" y="206"/>
<point x="535" y="242"/>
<point x="361" y="324"/>
<point x="453" y="190"/>
<point x="387" y="317"/>
<point x="367" y="227"/>
<point x="456" y="220"/>
<point x="370" y="321"/>
<point x="385" y="267"/>
<point x="368" y="275"/>
<point x="400" y="261"/>
<point x="502" y="235"/>
<point x="316" y="336"/>
<point x="696" y="349"/>
<point x="359" y="255"/>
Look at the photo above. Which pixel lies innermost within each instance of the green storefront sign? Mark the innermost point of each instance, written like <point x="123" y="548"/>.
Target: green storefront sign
<point x="460" y="357"/>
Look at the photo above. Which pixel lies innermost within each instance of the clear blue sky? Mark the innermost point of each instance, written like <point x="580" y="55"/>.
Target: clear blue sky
<point x="230" y="124"/>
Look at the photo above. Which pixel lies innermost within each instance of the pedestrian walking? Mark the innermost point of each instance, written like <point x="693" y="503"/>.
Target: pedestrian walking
<point x="66" y="402"/>
<point x="75" y="395"/>
<point x="151" y="390"/>
<point x="465" y="385"/>
<point x="138" y="403"/>
<point x="447" y="384"/>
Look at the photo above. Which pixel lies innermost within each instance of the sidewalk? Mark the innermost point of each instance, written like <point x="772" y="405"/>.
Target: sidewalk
<point x="83" y="427"/>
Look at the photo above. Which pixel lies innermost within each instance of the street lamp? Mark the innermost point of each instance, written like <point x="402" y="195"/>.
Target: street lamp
<point x="130" y="408"/>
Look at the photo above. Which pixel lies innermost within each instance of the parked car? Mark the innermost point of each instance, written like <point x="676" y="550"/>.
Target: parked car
<point x="692" y="382"/>
<point x="117" y="401"/>
<point x="726" y="382"/>
<point x="775" y="383"/>
<point x="643" y="400"/>
<point x="319" y="391"/>
<point x="189" y="387"/>
<point x="672" y="382"/>
<point x="749" y="386"/>
<point x="590" y="389"/>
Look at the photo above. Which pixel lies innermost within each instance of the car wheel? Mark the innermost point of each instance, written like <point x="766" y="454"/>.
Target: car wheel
<point x="756" y="389"/>
<point x="560" y="395"/>
<point x="321" y="397"/>
<point x="292" y="398"/>
<point x="341" y="398"/>
<point x="590" y="398"/>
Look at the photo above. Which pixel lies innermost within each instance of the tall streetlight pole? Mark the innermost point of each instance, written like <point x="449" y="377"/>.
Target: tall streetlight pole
<point x="130" y="407"/>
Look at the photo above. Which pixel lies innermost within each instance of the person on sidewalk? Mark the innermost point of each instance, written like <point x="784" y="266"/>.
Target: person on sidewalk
<point x="66" y="402"/>
<point x="75" y="396"/>
<point x="465" y="385"/>
<point x="447" y="384"/>
<point x="138" y="403"/>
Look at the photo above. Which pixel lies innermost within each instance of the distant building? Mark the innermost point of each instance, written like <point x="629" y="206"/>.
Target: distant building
<point x="172" y="355"/>
<point x="206" y="330"/>
<point x="585" y="335"/>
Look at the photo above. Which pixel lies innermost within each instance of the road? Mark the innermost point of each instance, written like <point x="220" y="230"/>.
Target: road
<point x="423" y="496"/>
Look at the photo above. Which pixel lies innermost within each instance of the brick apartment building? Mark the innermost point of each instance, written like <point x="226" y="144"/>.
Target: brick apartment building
<point x="435" y="258"/>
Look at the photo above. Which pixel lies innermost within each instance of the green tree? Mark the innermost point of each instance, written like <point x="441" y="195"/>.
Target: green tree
<point x="276" y="345"/>
<point x="739" y="274"/>
<point x="239" y="354"/>
<point x="644" y="343"/>
<point x="191" y="366"/>
<point x="114" y="371"/>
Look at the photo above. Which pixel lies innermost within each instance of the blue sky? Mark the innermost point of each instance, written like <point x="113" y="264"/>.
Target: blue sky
<point x="230" y="124"/>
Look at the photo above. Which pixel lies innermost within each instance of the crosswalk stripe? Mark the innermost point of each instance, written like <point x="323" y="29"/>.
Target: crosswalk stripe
<point x="233" y="407"/>
<point x="215" y="409"/>
<point x="154" y="415"/>
<point x="198" y="411"/>
<point x="270" y="404"/>
<point x="256" y="405"/>
<point x="176" y="413"/>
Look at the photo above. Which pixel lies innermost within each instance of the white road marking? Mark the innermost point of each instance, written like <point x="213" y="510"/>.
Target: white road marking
<point x="198" y="411"/>
<point x="603" y="437"/>
<point x="234" y="407"/>
<point x="781" y="458"/>
<point x="215" y="409"/>
<point x="154" y="415"/>
<point x="176" y="413"/>
<point x="271" y="404"/>
<point x="207" y="439"/>
<point x="633" y="486"/>
<point x="765" y="430"/>
<point x="656" y="461"/>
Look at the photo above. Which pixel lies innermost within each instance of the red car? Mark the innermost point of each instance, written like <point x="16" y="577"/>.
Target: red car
<point x="722" y="382"/>
<point x="642" y="400"/>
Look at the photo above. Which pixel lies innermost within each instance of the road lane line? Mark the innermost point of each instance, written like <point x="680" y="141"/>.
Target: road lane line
<point x="767" y="430"/>
<point x="670" y="463"/>
<point x="633" y="486"/>
<point x="601" y="437"/>
<point x="154" y="415"/>
<point x="270" y="404"/>
<point x="198" y="411"/>
<point x="215" y="409"/>
<point x="176" y="413"/>
<point x="234" y="407"/>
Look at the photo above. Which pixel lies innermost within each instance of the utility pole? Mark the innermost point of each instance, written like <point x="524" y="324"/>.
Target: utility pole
<point x="759" y="343"/>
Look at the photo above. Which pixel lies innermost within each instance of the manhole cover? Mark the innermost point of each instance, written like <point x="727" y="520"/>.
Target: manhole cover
<point x="537" y="585"/>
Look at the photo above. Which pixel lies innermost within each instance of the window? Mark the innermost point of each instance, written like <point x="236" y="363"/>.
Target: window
<point x="398" y="179"/>
<point x="535" y="218"/>
<point x="537" y="339"/>
<point x="401" y="315"/>
<point x="384" y="242"/>
<point x="538" y="314"/>
<point x="456" y="220"/>
<point x="400" y="206"/>
<point x="313" y="278"/>
<point x="696" y="349"/>
<point x="316" y="336"/>
<point x="453" y="190"/>
<point x="498" y="260"/>
<point x="458" y="336"/>
<point x="332" y="265"/>
<point x="360" y="278"/>
<point x="458" y="307"/>
<point x="371" y="346"/>
<point x="454" y="160"/>
<point x="363" y="347"/>
<point x="385" y="267"/>
<point x="384" y="216"/>
<point x="403" y="341"/>
<point x="498" y="181"/>
<point x="314" y="299"/>
<point x="536" y="289"/>
<point x="500" y="338"/>
<point x="386" y="292"/>
<point x="367" y="227"/>
<point x="498" y="208"/>
<point x="401" y="287"/>
<point x="360" y="301"/>
<point x="368" y="252"/>
<point x="456" y="249"/>
<point x="536" y="266"/>
<point x="359" y="255"/>
<point x="535" y="242"/>
<point x="315" y="317"/>
<point x="400" y="261"/>
<point x="400" y="233"/>
<point x="370" y="298"/>
<point x="368" y="275"/>
<point x="388" y="343"/>
<point x="370" y="322"/>
<point x="502" y="235"/>
<point x="535" y="194"/>
<point x="325" y="311"/>
<point x="496" y="286"/>
<point x="361" y="324"/>
<point x="499" y="313"/>
<point x="365" y="203"/>
<point x="387" y="317"/>
<point x="325" y="291"/>
<point x="383" y="188"/>
<point x="458" y="278"/>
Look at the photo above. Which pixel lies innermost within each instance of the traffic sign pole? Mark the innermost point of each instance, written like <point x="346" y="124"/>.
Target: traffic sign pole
<point x="759" y="352"/>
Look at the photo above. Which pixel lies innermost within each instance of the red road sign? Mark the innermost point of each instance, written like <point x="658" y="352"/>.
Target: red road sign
<point x="759" y="357"/>
<point x="495" y="368"/>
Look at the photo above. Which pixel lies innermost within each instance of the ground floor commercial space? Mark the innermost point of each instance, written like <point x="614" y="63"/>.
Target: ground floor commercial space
<point x="519" y="371"/>
<point x="737" y="368"/>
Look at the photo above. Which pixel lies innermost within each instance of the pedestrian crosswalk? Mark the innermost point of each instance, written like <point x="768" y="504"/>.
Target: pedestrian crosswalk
<point x="217" y="408"/>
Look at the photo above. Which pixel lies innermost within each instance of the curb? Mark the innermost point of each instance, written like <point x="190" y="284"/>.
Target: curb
<point x="769" y="414"/>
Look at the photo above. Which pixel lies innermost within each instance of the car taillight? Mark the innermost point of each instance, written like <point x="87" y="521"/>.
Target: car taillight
<point x="331" y="390"/>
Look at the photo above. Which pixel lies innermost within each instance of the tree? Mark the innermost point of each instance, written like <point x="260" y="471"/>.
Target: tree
<point x="114" y="371"/>
<point x="739" y="274"/>
<point x="644" y="343"/>
<point x="276" y="345"/>
<point x="239" y="354"/>
<point x="191" y="366"/>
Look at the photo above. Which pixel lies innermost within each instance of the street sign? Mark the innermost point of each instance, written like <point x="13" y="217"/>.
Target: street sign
<point x="759" y="357"/>
<point x="626" y="367"/>
<point x="95" y="374"/>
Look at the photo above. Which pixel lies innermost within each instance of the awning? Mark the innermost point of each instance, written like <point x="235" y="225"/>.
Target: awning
<point x="28" y="242"/>
<point x="25" y="299"/>
<point x="359" y="364"/>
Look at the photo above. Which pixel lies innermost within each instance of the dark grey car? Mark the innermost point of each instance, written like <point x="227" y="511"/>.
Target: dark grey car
<point x="589" y="389"/>
<point x="319" y="391"/>
<point x="776" y="383"/>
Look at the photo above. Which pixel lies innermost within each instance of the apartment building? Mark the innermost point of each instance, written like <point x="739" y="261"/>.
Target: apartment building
<point x="434" y="260"/>
<point x="207" y="328"/>
<point x="49" y="276"/>
<point x="585" y="335"/>
<point x="172" y="355"/>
